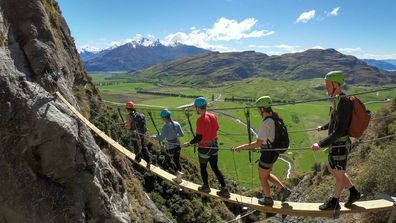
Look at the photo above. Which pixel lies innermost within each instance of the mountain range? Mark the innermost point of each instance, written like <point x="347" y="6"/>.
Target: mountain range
<point x="214" y="67"/>
<point x="135" y="55"/>
<point x="382" y="64"/>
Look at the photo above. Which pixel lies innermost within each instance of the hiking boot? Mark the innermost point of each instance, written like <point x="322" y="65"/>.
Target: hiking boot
<point x="204" y="188"/>
<point x="138" y="158"/>
<point x="330" y="204"/>
<point x="266" y="201"/>
<point x="223" y="192"/>
<point x="178" y="178"/>
<point x="284" y="193"/>
<point x="352" y="198"/>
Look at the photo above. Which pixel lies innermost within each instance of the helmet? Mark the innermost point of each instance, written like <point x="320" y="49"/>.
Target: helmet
<point x="129" y="105"/>
<point x="200" y="102"/>
<point x="335" y="76"/>
<point x="165" y="113"/>
<point x="264" y="101"/>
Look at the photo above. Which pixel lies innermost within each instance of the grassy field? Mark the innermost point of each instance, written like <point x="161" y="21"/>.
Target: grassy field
<point x="232" y="133"/>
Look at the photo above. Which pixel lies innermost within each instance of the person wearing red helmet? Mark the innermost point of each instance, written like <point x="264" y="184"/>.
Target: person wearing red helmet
<point x="136" y="122"/>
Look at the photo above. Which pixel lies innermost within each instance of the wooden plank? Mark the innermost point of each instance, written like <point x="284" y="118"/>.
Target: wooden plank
<point x="285" y="208"/>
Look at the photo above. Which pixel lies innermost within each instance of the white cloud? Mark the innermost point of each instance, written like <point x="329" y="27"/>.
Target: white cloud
<point x="306" y="16"/>
<point x="275" y="49"/>
<point x="223" y="30"/>
<point x="349" y="50"/>
<point x="334" y="12"/>
<point x="280" y="46"/>
<point x="318" y="47"/>
<point x="377" y="56"/>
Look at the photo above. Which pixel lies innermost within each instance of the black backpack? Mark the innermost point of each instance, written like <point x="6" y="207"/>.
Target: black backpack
<point x="281" y="136"/>
<point x="138" y="122"/>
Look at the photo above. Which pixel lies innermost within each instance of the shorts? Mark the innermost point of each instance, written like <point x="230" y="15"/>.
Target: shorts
<point x="267" y="159"/>
<point x="338" y="155"/>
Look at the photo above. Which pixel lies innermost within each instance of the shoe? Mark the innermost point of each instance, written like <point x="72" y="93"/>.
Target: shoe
<point x="178" y="178"/>
<point x="148" y="165"/>
<point x="284" y="193"/>
<point x="266" y="201"/>
<point x="352" y="198"/>
<point x="223" y="192"/>
<point x="204" y="188"/>
<point x="330" y="204"/>
<point x="138" y="158"/>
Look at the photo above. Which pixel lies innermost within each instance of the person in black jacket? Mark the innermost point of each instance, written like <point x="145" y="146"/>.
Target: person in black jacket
<point x="136" y="122"/>
<point x="338" y="141"/>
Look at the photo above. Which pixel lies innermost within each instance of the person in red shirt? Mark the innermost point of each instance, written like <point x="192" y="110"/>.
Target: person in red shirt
<point x="206" y="137"/>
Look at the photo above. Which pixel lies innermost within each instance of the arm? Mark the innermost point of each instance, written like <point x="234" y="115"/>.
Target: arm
<point x="252" y="145"/>
<point x="162" y="135"/>
<point x="180" y="131"/>
<point x="198" y="134"/>
<point x="128" y="123"/>
<point x="262" y="135"/>
<point x="344" y="116"/>
<point x="323" y="127"/>
<point x="196" y="139"/>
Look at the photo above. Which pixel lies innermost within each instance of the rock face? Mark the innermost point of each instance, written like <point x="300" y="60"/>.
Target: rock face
<point x="51" y="169"/>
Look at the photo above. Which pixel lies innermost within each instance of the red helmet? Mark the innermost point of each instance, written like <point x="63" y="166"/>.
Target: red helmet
<point x="129" y="105"/>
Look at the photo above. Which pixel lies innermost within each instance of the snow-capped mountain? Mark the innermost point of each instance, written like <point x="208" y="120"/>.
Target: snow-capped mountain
<point x="134" y="55"/>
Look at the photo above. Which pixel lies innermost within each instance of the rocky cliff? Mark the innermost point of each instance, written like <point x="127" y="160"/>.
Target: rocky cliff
<point x="51" y="169"/>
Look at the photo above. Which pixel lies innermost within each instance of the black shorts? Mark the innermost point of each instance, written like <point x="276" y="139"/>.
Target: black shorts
<point x="267" y="159"/>
<point x="338" y="155"/>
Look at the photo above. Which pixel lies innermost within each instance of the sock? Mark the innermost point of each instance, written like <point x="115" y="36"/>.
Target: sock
<point x="353" y="190"/>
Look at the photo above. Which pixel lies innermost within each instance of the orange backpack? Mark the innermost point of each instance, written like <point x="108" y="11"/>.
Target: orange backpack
<point x="360" y="118"/>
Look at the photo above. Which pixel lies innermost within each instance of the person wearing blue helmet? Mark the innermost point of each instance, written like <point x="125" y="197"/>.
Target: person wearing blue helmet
<point x="206" y="137"/>
<point x="170" y="132"/>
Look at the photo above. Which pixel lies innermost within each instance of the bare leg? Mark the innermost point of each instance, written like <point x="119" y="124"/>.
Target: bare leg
<point x="264" y="174"/>
<point x="330" y="169"/>
<point x="276" y="181"/>
<point x="340" y="178"/>
<point x="347" y="181"/>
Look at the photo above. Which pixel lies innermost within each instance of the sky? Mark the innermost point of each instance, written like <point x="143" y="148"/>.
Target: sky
<point x="363" y="28"/>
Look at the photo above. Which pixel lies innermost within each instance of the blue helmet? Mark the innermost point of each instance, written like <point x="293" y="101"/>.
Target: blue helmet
<point x="200" y="102"/>
<point x="165" y="113"/>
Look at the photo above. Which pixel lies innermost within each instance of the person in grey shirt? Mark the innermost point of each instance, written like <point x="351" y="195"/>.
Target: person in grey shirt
<point x="170" y="132"/>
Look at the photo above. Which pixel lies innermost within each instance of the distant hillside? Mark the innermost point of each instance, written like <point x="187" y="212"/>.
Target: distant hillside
<point x="391" y="61"/>
<point x="382" y="64"/>
<point x="135" y="55"/>
<point x="218" y="67"/>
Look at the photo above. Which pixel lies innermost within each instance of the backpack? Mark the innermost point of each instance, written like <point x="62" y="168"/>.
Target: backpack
<point x="138" y="122"/>
<point x="360" y="117"/>
<point x="281" y="135"/>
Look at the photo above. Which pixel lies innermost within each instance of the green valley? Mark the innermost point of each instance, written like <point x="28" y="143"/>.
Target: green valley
<point x="115" y="89"/>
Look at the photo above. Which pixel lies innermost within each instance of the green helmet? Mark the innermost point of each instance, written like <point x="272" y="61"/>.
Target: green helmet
<point x="335" y="76"/>
<point x="264" y="101"/>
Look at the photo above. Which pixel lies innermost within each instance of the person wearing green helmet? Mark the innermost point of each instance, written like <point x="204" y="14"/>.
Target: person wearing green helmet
<point x="171" y="131"/>
<point x="265" y="137"/>
<point x="337" y="141"/>
<point x="206" y="137"/>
